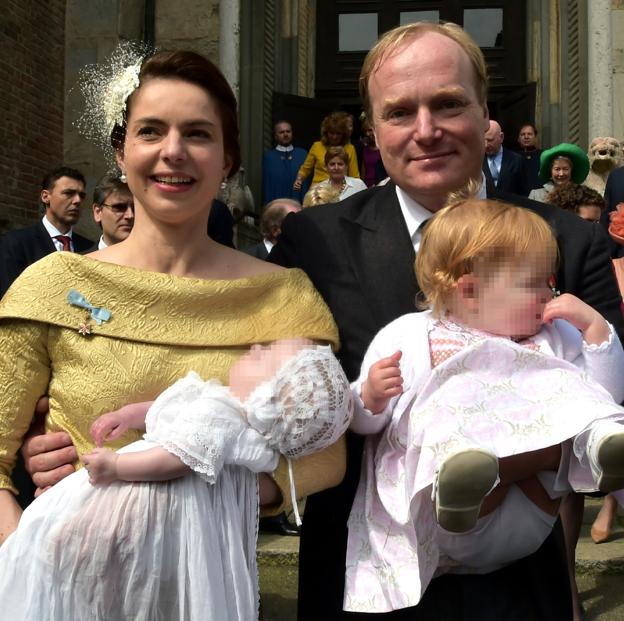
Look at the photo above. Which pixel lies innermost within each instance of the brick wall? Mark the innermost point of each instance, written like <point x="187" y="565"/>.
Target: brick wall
<point x="32" y="61"/>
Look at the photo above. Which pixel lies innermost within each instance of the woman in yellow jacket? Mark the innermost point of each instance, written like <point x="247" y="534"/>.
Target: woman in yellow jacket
<point x="336" y="131"/>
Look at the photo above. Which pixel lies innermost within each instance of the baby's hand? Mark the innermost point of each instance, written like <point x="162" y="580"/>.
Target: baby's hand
<point x="582" y="316"/>
<point x="109" y="426"/>
<point x="384" y="381"/>
<point x="101" y="464"/>
<point x="113" y="425"/>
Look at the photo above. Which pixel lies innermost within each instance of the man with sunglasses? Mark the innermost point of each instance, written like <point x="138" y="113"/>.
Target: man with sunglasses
<point x="113" y="210"/>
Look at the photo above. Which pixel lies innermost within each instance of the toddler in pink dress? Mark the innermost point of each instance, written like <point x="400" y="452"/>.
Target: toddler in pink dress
<point x="470" y="448"/>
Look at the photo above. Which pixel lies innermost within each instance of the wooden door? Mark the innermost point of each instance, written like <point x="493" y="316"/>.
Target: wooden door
<point x="346" y="29"/>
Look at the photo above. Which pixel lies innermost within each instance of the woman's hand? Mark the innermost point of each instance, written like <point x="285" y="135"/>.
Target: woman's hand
<point x="384" y="381"/>
<point x="101" y="464"/>
<point x="582" y="316"/>
<point x="298" y="183"/>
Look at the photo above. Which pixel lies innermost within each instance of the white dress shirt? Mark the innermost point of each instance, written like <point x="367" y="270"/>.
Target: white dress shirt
<point x="495" y="162"/>
<point x="415" y="214"/>
<point x="53" y="232"/>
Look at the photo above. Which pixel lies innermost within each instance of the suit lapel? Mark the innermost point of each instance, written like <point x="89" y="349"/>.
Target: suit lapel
<point x="486" y="170"/>
<point x="381" y="255"/>
<point x="44" y="241"/>
<point x="489" y="181"/>
<point x="505" y="168"/>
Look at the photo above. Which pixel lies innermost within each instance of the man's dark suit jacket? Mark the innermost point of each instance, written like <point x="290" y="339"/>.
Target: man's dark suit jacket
<point x="21" y="248"/>
<point x="614" y="190"/>
<point x="512" y="177"/>
<point x="257" y="250"/>
<point x="18" y="250"/>
<point x="614" y="194"/>
<point x="359" y="256"/>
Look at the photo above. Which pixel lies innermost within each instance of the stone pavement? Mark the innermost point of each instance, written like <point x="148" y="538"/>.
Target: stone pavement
<point x="600" y="569"/>
<point x="600" y="573"/>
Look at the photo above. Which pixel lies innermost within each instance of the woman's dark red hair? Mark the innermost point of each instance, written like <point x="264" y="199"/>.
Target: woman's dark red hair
<point x="195" y="69"/>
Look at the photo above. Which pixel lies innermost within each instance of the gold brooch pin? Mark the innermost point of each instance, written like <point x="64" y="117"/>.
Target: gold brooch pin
<point x="84" y="328"/>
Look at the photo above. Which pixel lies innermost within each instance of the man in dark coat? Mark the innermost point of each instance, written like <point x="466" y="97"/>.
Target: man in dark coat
<point x="271" y="225"/>
<point x="530" y="153"/>
<point x="62" y="193"/>
<point x="424" y="87"/>
<point x="503" y="167"/>
<point x="614" y="194"/>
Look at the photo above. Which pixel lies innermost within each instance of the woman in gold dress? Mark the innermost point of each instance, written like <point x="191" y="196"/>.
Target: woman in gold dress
<point x="165" y="300"/>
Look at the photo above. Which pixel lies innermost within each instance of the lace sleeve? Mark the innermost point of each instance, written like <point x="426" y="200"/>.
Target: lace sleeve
<point x="204" y="426"/>
<point x="306" y="407"/>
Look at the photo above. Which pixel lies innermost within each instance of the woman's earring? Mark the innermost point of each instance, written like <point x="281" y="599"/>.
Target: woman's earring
<point x="223" y="185"/>
<point x="123" y="178"/>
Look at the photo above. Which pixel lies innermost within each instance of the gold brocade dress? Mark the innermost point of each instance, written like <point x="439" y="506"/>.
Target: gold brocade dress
<point x="161" y="327"/>
<point x="197" y="542"/>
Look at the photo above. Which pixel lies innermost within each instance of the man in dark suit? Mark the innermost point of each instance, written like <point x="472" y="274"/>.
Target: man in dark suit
<point x="614" y="194"/>
<point x="614" y="190"/>
<point x="502" y="167"/>
<point x="424" y="87"/>
<point x="271" y="225"/>
<point x="62" y="193"/>
<point x="113" y="211"/>
<point x="530" y="153"/>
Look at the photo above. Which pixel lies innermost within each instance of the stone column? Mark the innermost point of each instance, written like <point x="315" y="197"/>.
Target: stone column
<point x="229" y="42"/>
<point x="600" y="69"/>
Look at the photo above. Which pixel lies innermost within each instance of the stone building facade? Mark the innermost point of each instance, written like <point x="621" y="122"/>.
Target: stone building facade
<point x="573" y="73"/>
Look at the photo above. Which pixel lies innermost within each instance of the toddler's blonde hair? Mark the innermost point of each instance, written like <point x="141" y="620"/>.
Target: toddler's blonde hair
<point x="474" y="235"/>
<point x="320" y="195"/>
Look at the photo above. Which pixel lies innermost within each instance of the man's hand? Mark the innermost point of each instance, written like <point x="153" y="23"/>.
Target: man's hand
<point x="582" y="316"/>
<point x="384" y="381"/>
<point x="101" y="464"/>
<point x="48" y="458"/>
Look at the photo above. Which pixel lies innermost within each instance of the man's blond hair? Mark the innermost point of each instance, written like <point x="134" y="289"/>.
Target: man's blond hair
<point x="395" y="39"/>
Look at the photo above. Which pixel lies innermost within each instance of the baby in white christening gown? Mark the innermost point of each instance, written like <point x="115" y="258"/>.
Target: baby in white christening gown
<point x="166" y="527"/>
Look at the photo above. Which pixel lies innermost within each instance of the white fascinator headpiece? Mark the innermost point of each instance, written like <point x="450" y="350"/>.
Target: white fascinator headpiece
<point x="106" y="87"/>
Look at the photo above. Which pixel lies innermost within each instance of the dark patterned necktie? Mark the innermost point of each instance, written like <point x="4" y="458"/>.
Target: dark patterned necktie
<point x="66" y="241"/>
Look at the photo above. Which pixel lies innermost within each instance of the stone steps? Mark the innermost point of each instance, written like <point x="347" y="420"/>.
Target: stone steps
<point x="604" y="558"/>
<point x="600" y="572"/>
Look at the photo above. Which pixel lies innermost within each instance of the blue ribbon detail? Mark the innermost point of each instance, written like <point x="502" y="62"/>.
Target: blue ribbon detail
<point x="99" y="314"/>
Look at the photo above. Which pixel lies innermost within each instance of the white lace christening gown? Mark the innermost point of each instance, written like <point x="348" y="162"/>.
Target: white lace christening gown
<point x="184" y="549"/>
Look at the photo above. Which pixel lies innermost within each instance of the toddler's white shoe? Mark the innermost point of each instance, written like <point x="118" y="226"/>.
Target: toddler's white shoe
<point x="464" y="479"/>
<point x="605" y="450"/>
